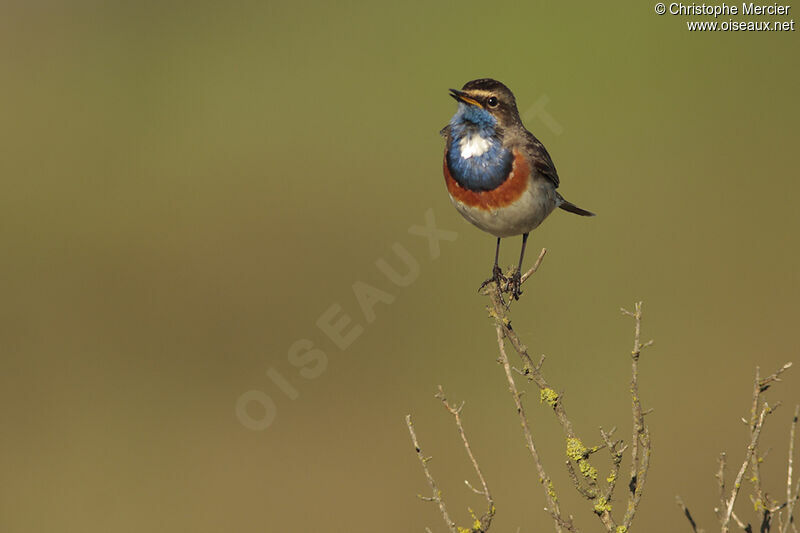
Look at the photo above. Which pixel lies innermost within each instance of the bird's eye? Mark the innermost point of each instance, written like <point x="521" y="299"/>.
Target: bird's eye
<point x="492" y="101"/>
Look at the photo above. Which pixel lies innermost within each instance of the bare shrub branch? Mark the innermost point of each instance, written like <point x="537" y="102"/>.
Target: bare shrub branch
<point x="640" y="441"/>
<point x="544" y="479"/>
<point x="479" y="525"/>
<point x="582" y="473"/>
<point x="688" y="515"/>
<point x="436" y="493"/>
<point x="791" y="498"/>
<point x="766" y="509"/>
<point x="598" y="493"/>
<point x="486" y="520"/>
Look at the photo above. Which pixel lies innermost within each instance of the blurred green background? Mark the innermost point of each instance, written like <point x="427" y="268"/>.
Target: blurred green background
<point x="188" y="187"/>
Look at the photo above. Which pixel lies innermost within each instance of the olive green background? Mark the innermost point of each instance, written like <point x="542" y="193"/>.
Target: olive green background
<point x="187" y="187"/>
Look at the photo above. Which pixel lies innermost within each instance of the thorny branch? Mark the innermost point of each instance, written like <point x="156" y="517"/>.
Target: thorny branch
<point x="768" y="510"/>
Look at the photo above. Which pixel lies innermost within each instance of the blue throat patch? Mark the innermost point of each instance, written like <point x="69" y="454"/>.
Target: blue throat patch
<point x="482" y="172"/>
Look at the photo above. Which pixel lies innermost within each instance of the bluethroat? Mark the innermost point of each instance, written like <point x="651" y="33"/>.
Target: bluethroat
<point x="499" y="176"/>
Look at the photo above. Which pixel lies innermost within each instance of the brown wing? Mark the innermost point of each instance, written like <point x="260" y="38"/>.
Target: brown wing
<point x="540" y="159"/>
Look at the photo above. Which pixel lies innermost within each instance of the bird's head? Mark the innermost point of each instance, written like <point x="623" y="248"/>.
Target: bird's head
<point x="486" y="103"/>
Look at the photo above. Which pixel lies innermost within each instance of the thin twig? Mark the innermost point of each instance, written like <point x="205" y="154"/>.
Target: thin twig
<point x="759" y="386"/>
<point x="687" y="514"/>
<point x="791" y="499"/>
<point x="737" y="484"/>
<point x="437" y="494"/>
<point x="640" y="440"/>
<point x="499" y="311"/>
<point x="721" y="479"/>
<point x="767" y="509"/>
<point x="758" y="412"/>
<point x="587" y="492"/>
<point x="535" y="266"/>
<point x="765" y="383"/>
<point x="742" y="525"/>
<point x="616" y="449"/>
<point x="486" y="519"/>
<point x="544" y="479"/>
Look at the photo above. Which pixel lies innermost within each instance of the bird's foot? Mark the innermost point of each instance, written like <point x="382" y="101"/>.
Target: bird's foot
<point x="514" y="284"/>
<point x="497" y="277"/>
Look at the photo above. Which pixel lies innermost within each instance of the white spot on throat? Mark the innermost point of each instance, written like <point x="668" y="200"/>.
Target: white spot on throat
<point x="473" y="145"/>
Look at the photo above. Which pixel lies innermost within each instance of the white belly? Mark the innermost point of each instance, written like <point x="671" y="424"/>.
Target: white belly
<point x="521" y="216"/>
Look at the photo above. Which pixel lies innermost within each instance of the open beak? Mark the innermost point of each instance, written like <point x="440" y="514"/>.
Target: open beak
<point x="461" y="96"/>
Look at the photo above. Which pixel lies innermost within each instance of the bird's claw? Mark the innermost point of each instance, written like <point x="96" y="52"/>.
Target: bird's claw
<point x="497" y="277"/>
<point x="514" y="285"/>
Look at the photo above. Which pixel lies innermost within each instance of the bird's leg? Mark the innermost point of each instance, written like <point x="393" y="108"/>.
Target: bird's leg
<point x="497" y="274"/>
<point x="515" y="281"/>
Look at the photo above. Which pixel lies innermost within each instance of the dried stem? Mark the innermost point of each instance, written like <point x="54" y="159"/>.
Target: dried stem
<point x="755" y="461"/>
<point x="640" y="441"/>
<point x="737" y="484"/>
<point x="791" y="499"/>
<point x="721" y="480"/>
<point x="535" y="266"/>
<point x="688" y="515"/>
<point x="486" y="519"/>
<point x="437" y="494"/>
<point x="498" y="311"/>
<point x="760" y="499"/>
<point x="544" y="479"/>
<point x="616" y="449"/>
<point x="759" y="410"/>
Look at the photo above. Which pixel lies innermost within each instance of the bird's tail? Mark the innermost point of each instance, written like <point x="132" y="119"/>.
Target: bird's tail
<point x="572" y="208"/>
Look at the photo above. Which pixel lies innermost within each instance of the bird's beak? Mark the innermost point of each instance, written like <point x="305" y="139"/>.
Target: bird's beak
<point x="461" y="96"/>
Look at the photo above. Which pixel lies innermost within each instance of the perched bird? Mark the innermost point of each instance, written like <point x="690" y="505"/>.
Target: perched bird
<point x="499" y="176"/>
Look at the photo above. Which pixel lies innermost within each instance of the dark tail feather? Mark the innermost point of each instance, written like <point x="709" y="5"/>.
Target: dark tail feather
<point x="572" y="208"/>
